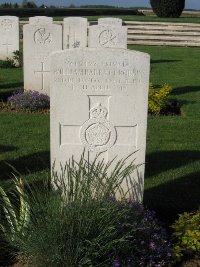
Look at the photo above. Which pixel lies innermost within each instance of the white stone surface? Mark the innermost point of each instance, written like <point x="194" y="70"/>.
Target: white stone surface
<point x="107" y="36"/>
<point x="110" y="21"/>
<point x="41" y="37"/>
<point x="99" y="100"/>
<point x="75" y="32"/>
<point x="9" y="36"/>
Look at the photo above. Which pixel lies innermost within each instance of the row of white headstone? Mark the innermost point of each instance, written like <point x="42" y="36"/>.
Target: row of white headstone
<point x="41" y="37"/>
<point x="99" y="94"/>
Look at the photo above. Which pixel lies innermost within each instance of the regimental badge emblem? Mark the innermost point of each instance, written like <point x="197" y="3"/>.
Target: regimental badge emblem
<point x="98" y="134"/>
<point x="7" y="24"/>
<point x="42" y="36"/>
<point x="107" y="38"/>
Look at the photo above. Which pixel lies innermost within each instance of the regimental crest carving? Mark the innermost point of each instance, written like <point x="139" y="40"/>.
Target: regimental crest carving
<point x="98" y="134"/>
<point x="7" y="24"/>
<point x="43" y="36"/>
<point x="107" y="38"/>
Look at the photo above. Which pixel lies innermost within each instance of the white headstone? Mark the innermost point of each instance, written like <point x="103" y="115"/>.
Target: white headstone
<point x="110" y="21"/>
<point x="9" y="36"/>
<point x="99" y="100"/>
<point x="41" y="37"/>
<point x="107" y="36"/>
<point x="74" y="32"/>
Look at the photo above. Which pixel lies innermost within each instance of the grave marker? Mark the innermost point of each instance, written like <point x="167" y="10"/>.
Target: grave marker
<point x="41" y="37"/>
<point x="9" y="36"/>
<point x="99" y="100"/>
<point x="74" y="32"/>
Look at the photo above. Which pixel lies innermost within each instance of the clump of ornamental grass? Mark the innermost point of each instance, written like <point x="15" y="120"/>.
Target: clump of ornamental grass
<point x="75" y="220"/>
<point x="30" y="100"/>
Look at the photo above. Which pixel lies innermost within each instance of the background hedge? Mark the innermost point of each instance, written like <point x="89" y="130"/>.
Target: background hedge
<point x="168" y="8"/>
<point x="29" y="12"/>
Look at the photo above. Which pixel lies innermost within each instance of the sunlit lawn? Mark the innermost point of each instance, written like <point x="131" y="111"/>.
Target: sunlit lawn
<point x="172" y="181"/>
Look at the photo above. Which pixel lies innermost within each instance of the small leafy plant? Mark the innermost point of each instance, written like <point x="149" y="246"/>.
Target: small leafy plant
<point x="12" y="62"/>
<point x="31" y="100"/>
<point x="158" y="98"/>
<point x="18" y="58"/>
<point x="186" y="236"/>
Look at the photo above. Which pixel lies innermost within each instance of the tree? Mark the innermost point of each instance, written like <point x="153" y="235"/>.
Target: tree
<point x="27" y="4"/>
<point x="168" y="8"/>
<point x="15" y="5"/>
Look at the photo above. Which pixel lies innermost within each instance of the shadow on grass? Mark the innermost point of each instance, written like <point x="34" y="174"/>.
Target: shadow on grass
<point x="158" y="162"/>
<point x="164" y="61"/>
<point x="7" y="90"/>
<point x="4" y="149"/>
<point x="25" y="165"/>
<point x="185" y="90"/>
<point x="11" y="85"/>
<point x="174" y="197"/>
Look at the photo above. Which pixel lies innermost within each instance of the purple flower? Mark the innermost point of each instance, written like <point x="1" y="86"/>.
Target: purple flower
<point x="31" y="100"/>
<point x="116" y="263"/>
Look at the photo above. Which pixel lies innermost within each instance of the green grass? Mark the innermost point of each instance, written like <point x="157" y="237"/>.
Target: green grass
<point x="138" y="18"/>
<point x="172" y="180"/>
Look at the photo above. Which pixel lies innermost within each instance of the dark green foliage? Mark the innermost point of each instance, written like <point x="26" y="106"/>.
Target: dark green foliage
<point x="6" y="64"/>
<point x="30" y="12"/>
<point x="168" y="8"/>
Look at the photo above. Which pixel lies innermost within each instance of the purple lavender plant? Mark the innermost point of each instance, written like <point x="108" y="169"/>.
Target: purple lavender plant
<point x="31" y="100"/>
<point x="146" y="241"/>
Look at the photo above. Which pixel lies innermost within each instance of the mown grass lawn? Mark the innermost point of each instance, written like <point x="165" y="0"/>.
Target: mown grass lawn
<point x="172" y="181"/>
<point x="137" y="18"/>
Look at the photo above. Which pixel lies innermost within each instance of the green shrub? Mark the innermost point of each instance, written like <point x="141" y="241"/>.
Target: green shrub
<point x="186" y="235"/>
<point x="158" y="98"/>
<point x="15" y="61"/>
<point x="8" y="63"/>
<point x="168" y="8"/>
<point x="18" y="58"/>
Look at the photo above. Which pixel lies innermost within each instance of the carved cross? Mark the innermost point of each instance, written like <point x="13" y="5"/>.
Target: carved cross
<point x="7" y="46"/>
<point x="42" y="72"/>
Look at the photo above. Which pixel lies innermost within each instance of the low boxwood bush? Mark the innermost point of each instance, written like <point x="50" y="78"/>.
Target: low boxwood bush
<point x="158" y="98"/>
<point x="75" y="220"/>
<point x="31" y="100"/>
<point x="186" y="236"/>
<point x="168" y="8"/>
